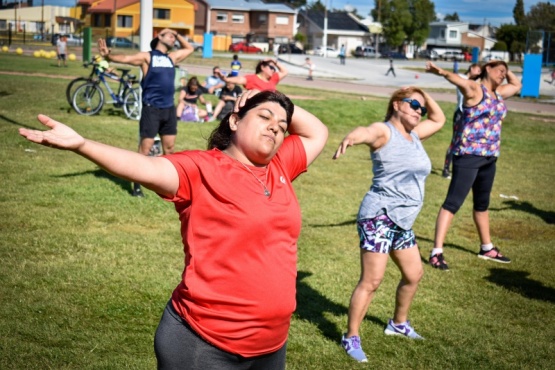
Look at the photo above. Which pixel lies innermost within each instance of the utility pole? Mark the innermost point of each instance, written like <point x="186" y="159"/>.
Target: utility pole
<point x="42" y="20"/>
<point x="377" y="35"/>
<point x="325" y="38"/>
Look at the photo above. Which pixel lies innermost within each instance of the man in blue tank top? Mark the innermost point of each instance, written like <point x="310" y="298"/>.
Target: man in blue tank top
<point x="158" y="68"/>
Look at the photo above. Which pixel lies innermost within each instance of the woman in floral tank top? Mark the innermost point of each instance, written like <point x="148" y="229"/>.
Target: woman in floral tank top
<point x="475" y="152"/>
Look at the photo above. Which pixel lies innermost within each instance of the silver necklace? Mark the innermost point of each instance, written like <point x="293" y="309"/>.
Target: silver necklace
<point x="266" y="191"/>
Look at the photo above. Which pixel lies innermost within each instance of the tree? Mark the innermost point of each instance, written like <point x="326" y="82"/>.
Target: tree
<point x="452" y="17"/>
<point x="422" y="13"/>
<point x="499" y="46"/>
<point x="513" y="36"/>
<point x="541" y="17"/>
<point x="518" y="13"/>
<point x="404" y="20"/>
<point x="317" y="5"/>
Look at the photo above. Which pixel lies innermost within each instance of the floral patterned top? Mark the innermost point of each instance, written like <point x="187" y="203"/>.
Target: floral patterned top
<point x="481" y="131"/>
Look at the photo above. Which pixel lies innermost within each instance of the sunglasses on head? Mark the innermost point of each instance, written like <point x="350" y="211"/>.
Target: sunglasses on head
<point x="272" y="67"/>
<point x="415" y="105"/>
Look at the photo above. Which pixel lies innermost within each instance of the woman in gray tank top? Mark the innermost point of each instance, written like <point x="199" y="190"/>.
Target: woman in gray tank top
<point x="389" y="208"/>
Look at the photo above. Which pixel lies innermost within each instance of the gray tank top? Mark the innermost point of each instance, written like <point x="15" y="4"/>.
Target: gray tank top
<point x="400" y="169"/>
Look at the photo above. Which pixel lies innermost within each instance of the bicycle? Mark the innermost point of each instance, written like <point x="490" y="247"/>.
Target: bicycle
<point x="75" y="83"/>
<point x="89" y="99"/>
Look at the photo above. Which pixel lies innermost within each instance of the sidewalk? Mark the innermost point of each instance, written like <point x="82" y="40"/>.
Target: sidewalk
<point x="367" y="78"/>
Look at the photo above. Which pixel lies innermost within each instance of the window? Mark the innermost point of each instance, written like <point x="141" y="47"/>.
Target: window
<point x="3" y="24"/>
<point x="97" y="20"/>
<point x="263" y="18"/>
<point x="282" y="19"/>
<point x="238" y="18"/>
<point x="161" y="13"/>
<point x="442" y="34"/>
<point x="125" y="21"/>
<point x="107" y="20"/>
<point x="221" y="17"/>
<point x="453" y="34"/>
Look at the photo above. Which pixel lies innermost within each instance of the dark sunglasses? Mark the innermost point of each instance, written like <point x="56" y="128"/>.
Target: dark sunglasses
<point x="272" y="67"/>
<point x="415" y="105"/>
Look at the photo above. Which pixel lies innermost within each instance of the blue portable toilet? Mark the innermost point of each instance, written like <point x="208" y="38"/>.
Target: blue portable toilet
<point x="207" y="45"/>
<point x="531" y="75"/>
<point x="475" y="55"/>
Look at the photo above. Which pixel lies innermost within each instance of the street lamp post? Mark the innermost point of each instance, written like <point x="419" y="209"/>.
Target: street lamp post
<point x="325" y="38"/>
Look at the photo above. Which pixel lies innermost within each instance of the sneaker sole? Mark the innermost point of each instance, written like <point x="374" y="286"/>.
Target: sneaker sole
<point x="389" y="332"/>
<point x="492" y="259"/>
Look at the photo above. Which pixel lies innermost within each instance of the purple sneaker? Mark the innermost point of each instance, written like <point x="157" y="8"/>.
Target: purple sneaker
<point x="352" y="346"/>
<point x="401" y="329"/>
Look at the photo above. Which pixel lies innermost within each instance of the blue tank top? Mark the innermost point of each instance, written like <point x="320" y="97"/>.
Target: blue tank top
<point x="158" y="84"/>
<point x="400" y="169"/>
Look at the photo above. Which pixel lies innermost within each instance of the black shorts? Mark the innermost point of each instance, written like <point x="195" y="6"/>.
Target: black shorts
<point x="162" y="121"/>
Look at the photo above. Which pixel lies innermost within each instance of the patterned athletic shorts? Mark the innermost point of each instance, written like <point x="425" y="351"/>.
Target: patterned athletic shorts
<point x="381" y="235"/>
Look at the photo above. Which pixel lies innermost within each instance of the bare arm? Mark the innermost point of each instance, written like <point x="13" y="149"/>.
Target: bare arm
<point x="435" y="121"/>
<point x="375" y="136"/>
<point x="311" y="130"/>
<point x="238" y="80"/>
<point x="282" y="70"/>
<point x="470" y="89"/>
<point x="512" y="86"/>
<point x="141" y="59"/>
<point x="183" y="52"/>
<point x="155" y="173"/>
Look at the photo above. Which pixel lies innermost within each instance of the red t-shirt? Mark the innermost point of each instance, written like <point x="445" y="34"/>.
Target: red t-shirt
<point x="238" y="287"/>
<point x="256" y="83"/>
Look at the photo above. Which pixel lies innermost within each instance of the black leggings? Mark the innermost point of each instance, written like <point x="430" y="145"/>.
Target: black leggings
<point x="177" y="346"/>
<point x="471" y="172"/>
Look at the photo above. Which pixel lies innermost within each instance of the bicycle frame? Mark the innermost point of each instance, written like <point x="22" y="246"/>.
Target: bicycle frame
<point x="126" y="81"/>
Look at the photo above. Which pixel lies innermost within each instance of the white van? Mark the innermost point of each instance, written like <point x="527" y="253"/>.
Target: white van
<point x="365" y="52"/>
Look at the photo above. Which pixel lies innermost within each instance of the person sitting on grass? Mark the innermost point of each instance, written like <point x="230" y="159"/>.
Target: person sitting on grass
<point x="189" y="97"/>
<point x="228" y="97"/>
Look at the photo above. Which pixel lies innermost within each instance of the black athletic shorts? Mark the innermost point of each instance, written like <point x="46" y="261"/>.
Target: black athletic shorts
<point x="162" y="121"/>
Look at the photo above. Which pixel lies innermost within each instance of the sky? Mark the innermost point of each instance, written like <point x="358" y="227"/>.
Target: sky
<point x="494" y="12"/>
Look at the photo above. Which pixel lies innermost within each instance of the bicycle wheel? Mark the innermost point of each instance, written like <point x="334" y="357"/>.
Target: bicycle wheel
<point x="132" y="104"/>
<point x="72" y="86"/>
<point x="88" y="99"/>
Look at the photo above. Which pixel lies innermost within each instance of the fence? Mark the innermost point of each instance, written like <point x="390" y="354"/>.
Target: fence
<point x="542" y="42"/>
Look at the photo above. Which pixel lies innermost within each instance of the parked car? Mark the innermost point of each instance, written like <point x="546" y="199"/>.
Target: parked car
<point x="365" y="52"/>
<point x="489" y="58"/>
<point x="73" y="40"/>
<point x="290" y="48"/>
<point x="428" y="54"/>
<point x="242" y="47"/>
<point x="120" y="42"/>
<point x="330" y="52"/>
<point x="196" y="45"/>
<point x="393" y="55"/>
<point x="452" y="55"/>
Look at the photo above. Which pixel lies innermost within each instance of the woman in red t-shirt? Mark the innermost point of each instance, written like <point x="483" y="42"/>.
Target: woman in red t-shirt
<point x="240" y="221"/>
<point x="267" y="75"/>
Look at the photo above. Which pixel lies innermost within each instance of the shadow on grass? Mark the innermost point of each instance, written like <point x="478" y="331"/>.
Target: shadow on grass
<point x="99" y="173"/>
<point x="445" y="245"/>
<point x="9" y="120"/>
<point x="547" y="216"/>
<point x="518" y="282"/>
<point x="344" y="223"/>
<point x="311" y="306"/>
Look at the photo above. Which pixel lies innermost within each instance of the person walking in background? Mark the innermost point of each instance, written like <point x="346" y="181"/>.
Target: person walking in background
<point x="268" y="74"/>
<point x="342" y="54"/>
<point x="240" y="190"/>
<point x="475" y="151"/>
<point x="389" y="209"/>
<point x="311" y="66"/>
<point x="158" y="68"/>
<point x="61" y="50"/>
<point x="235" y="66"/>
<point x="472" y="73"/>
<point x="455" y="65"/>
<point x="391" y="68"/>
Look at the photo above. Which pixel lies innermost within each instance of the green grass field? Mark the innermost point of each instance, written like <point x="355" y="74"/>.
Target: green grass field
<point x="87" y="269"/>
